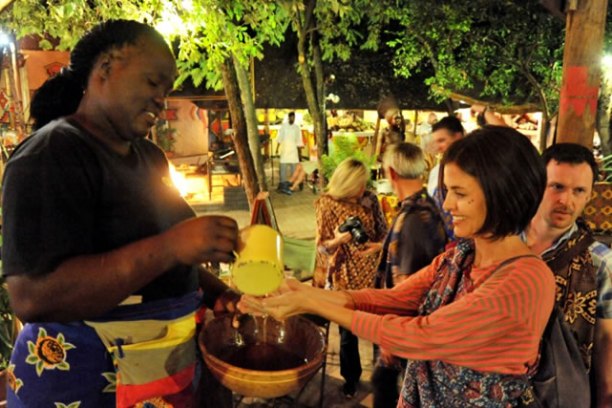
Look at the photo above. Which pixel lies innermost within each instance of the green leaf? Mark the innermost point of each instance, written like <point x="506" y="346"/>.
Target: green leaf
<point x="32" y="359"/>
<point x="63" y="366"/>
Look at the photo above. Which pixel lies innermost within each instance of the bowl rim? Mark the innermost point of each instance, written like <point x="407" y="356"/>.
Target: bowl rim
<point x="314" y="363"/>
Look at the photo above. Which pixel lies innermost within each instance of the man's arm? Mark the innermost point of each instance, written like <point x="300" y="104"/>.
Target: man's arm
<point x="212" y="287"/>
<point x="602" y="362"/>
<point x="99" y="282"/>
<point x="279" y="138"/>
<point x="299" y="142"/>
<point x="490" y="117"/>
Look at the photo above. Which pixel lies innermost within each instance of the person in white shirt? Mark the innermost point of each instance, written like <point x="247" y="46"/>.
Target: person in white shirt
<point x="289" y="141"/>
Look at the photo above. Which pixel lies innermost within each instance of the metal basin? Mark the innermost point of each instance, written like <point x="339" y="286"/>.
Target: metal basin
<point x="263" y="358"/>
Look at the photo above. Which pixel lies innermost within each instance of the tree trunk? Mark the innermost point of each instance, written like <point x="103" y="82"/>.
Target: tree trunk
<point x="450" y="106"/>
<point x="320" y="86"/>
<point x="246" y="96"/>
<point x="584" y="36"/>
<point x="313" y="105"/>
<point x="245" y="160"/>
<point x="303" y="25"/>
<point x="544" y="126"/>
<point x="544" y="130"/>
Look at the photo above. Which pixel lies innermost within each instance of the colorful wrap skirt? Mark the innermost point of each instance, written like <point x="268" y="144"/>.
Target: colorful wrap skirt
<point x="140" y="355"/>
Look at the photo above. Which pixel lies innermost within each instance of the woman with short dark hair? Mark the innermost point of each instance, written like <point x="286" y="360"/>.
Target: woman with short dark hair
<point x="470" y="323"/>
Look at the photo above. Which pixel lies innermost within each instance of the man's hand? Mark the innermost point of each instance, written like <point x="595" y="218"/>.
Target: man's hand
<point x="203" y="239"/>
<point x="226" y="302"/>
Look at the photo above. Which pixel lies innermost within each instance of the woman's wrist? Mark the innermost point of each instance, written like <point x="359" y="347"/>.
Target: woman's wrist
<point x="331" y="244"/>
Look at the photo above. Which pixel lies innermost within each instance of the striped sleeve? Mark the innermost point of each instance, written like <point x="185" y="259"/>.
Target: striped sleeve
<point x="403" y="299"/>
<point x="497" y="327"/>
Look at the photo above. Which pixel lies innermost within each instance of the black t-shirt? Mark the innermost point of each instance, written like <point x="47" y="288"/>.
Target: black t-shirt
<point x="67" y="194"/>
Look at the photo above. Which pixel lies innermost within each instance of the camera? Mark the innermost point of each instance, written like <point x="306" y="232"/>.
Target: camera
<point x="355" y="227"/>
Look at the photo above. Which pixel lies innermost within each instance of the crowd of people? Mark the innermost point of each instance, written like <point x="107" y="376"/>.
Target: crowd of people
<point x="101" y="254"/>
<point x="469" y="272"/>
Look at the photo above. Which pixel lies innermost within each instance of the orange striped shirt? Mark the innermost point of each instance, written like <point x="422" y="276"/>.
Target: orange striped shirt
<point x="495" y="328"/>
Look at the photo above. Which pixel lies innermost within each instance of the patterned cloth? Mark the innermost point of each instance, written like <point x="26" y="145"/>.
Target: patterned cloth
<point x="439" y="196"/>
<point x="576" y="292"/>
<point x="140" y="355"/>
<point x="601" y="255"/>
<point x="346" y="268"/>
<point x="416" y="236"/>
<point x="439" y="384"/>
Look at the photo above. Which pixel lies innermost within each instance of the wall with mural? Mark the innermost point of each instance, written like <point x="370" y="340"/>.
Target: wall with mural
<point x="190" y="128"/>
<point x="39" y="66"/>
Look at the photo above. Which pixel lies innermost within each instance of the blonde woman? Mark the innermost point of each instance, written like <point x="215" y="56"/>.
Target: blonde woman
<point x="349" y="263"/>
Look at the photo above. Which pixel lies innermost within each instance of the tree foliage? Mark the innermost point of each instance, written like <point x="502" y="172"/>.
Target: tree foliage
<point x="203" y="32"/>
<point x="329" y="29"/>
<point x="218" y="29"/>
<point x="503" y="50"/>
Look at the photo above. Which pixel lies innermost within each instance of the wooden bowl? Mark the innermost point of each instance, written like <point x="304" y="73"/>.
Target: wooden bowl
<point x="263" y="358"/>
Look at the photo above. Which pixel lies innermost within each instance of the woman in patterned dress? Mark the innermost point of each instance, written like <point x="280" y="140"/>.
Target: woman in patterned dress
<point x="349" y="264"/>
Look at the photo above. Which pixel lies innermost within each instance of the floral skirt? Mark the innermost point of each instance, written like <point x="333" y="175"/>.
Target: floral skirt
<point x="141" y="355"/>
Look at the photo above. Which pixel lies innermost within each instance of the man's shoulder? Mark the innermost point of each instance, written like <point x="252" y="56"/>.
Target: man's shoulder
<point x="422" y="207"/>
<point x="600" y="248"/>
<point x="417" y="222"/>
<point x="602" y="251"/>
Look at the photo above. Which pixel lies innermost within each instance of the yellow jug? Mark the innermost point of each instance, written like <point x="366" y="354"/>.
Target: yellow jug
<point x="258" y="269"/>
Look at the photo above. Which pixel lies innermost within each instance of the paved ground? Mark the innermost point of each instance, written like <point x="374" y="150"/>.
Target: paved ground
<point x="295" y="216"/>
<point x="294" y="213"/>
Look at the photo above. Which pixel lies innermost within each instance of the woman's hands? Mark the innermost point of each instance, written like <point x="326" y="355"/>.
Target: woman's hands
<point x="370" y="248"/>
<point x="342" y="237"/>
<point x="291" y="299"/>
<point x="227" y="302"/>
<point x="330" y="245"/>
<point x="204" y="239"/>
<point x="297" y="298"/>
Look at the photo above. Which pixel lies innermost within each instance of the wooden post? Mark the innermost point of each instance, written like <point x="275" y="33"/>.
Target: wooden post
<point x="585" y="28"/>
